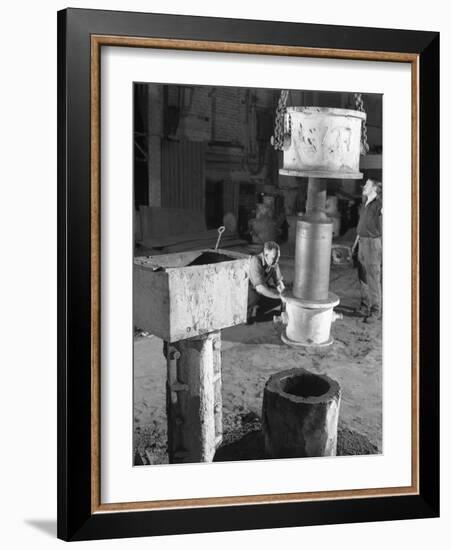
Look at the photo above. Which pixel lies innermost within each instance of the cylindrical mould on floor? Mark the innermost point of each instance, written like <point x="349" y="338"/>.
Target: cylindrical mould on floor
<point x="312" y="259"/>
<point x="309" y="324"/>
<point x="300" y="414"/>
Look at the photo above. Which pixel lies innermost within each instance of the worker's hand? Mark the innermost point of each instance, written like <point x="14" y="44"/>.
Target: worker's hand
<point x="280" y="287"/>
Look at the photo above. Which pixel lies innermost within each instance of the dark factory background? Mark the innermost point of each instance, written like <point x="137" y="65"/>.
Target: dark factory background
<point x="203" y="158"/>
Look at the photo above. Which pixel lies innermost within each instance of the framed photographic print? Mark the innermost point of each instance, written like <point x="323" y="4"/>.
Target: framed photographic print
<point x="248" y="274"/>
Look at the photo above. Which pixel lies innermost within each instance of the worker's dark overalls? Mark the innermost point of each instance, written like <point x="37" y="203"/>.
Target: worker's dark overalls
<point x="260" y="307"/>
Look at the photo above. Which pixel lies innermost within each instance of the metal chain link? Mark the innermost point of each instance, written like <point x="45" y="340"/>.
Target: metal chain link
<point x="359" y="105"/>
<point x="279" y="129"/>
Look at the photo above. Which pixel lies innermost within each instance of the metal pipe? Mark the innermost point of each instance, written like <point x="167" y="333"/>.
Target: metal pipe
<point x="325" y="143"/>
<point x="312" y="259"/>
<point x="313" y="245"/>
<point x="316" y="200"/>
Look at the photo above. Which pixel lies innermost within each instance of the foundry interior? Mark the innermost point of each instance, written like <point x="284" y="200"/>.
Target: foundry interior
<point x="219" y="172"/>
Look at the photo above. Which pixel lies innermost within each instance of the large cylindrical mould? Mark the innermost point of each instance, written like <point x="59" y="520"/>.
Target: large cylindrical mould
<point x="300" y="414"/>
<point x="309" y="323"/>
<point x="324" y="142"/>
<point x="312" y="259"/>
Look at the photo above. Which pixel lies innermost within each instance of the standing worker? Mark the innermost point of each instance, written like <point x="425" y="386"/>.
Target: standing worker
<point x="265" y="283"/>
<point x="369" y="241"/>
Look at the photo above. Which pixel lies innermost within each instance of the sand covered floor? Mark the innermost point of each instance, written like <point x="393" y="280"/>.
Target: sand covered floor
<point x="250" y="355"/>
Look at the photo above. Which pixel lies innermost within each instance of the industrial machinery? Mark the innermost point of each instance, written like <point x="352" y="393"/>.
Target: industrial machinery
<point x="318" y="143"/>
<point x="186" y="298"/>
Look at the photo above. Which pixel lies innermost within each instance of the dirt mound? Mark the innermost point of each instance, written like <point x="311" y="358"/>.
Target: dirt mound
<point x="246" y="442"/>
<point x="251" y="445"/>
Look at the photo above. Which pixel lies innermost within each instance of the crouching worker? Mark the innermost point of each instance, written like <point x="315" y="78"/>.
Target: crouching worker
<point x="265" y="284"/>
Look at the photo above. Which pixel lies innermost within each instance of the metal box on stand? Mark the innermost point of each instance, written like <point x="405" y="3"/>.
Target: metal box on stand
<point x="187" y="294"/>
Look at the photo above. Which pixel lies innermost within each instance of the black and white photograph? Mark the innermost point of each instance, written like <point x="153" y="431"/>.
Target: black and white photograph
<point x="257" y="276"/>
<point x="225" y="294"/>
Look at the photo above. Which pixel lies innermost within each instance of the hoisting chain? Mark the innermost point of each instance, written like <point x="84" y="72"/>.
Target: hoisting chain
<point x="279" y="124"/>
<point x="364" y="147"/>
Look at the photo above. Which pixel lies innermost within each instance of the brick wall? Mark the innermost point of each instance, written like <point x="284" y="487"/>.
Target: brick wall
<point x="216" y="113"/>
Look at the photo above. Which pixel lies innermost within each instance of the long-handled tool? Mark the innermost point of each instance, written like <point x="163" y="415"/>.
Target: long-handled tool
<point x="220" y="232"/>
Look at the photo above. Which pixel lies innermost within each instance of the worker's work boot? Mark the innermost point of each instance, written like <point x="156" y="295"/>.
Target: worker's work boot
<point x="363" y="310"/>
<point x="251" y="315"/>
<point x="373" y="317"/>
